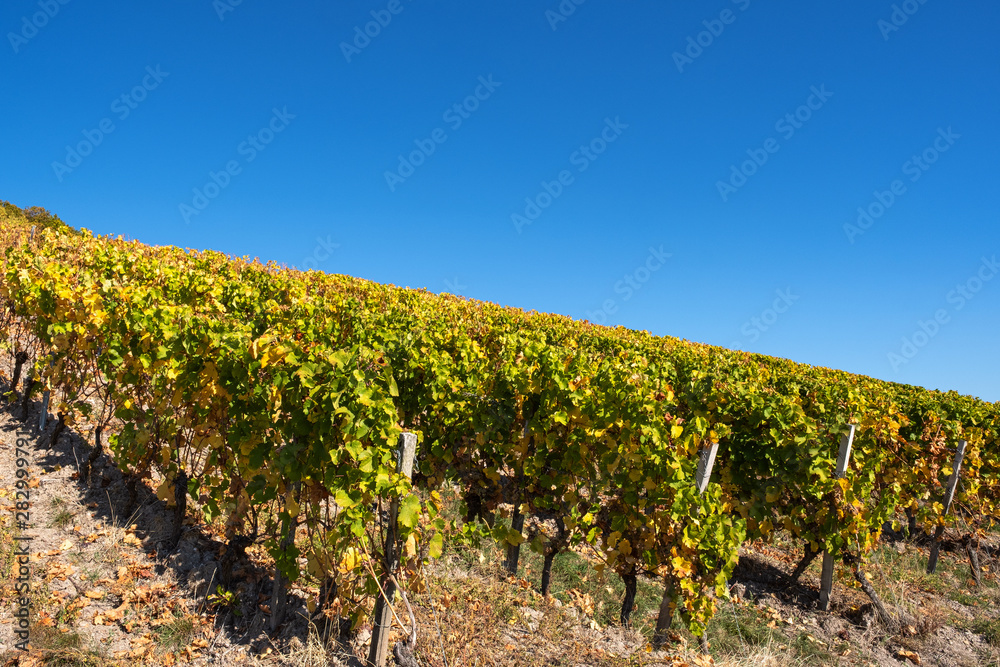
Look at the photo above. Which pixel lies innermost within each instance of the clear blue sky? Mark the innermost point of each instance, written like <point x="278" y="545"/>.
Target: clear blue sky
<point x="634" y="129"/>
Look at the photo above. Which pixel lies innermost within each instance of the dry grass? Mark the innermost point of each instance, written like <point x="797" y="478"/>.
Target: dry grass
<point x="53" y="648"/>
<point x="771" y="655"/>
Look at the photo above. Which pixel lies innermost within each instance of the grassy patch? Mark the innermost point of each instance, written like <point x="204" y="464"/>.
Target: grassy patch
<point x="811" y="651"/>
<point x="896" y="574"/>
<point x="63" y="649"/>
<point x="736" y="628"/>
<point x="988" y="629"/>
<point x="176" y="634"/>
<point x="61" y="516"/>
<point x="91" y="575"/>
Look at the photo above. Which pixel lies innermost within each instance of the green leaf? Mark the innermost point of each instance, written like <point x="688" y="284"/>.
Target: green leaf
<point x="409" y="511"/>
<point x="382" y="482"/>
<point x="436" y="546"/>
<point x="365" y="461"/>
<point x="354" y="448"/>
<point x="343" y="500"/>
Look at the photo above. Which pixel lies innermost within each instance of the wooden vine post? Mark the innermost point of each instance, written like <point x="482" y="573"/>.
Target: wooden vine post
<point x="949" y="496"/>
<point x="706" y="461"/>
<point x="826" y="582"/>
<point x="379" y="651"/>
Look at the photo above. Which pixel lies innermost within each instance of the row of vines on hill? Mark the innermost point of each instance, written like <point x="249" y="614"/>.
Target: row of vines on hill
<point x="279" y="396"/>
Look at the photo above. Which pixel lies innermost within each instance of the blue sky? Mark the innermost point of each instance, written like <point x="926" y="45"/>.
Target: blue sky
<point x="691" y="169"/>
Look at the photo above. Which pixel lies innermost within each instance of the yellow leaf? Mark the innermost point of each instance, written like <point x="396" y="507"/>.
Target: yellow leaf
<point x="676" y="430"/>
<point x="315" y="566"/>
<point x="165" y="492"/>
<point x="350" y="561"/>
<point x="292" y="507"/>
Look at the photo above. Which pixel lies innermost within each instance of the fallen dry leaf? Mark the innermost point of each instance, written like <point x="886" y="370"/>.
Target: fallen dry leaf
<point x="78" y="603"/>
<point x="58" y="571"/>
